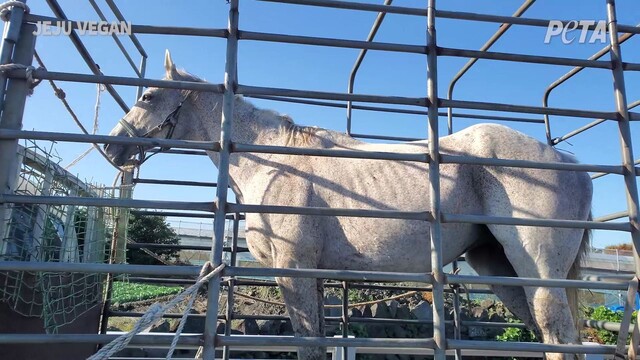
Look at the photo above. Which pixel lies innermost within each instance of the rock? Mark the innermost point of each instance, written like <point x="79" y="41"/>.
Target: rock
<point x="113" y="328"/>
<point x="332" y="311"/>
<point x="366" y="311"/>
<point x="487" y="303"/>
<point x="393" y="308"/>
<point x="476" y="332"/>
<point x="248" y="327"/>
<point x="194" y="324"/>
<point x="403" y="312"/>
<point x="423" y="311"/>
<point x="269" y="327"/>
<point x="354" y="312"/>
<point x="479" y="313"/>
<point x="162" y="327"/>
<point x="286" y="328"/>
<point x="380" y="311"/>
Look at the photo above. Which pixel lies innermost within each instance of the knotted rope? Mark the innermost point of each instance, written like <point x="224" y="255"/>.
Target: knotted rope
<point x="5" y="8"/>
<point x="28" y="73"/>
<point x="154" y="314"/>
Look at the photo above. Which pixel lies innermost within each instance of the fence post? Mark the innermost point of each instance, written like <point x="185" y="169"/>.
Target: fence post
<point x="13" y="105"/>
<point x="230" y="82"/>
<point x="434" y="186"/>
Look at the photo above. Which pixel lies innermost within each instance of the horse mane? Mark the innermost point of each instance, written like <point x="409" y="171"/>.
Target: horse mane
<point x="294" y="134"/>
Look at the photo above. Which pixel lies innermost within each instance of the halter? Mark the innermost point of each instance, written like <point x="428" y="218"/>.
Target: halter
<point x="170" y="121"/>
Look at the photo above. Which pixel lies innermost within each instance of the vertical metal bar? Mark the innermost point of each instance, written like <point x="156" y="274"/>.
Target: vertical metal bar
<point x="456" y="312"/>
<point x="230" y="82"/>
<point x="434" y="185"/>
<point x="15" y="99"/>
<point x="9" y="40"/>
<point x="624" y="126"/>
<point x="142" y="71"/>
<point x="345" y="317"/>
<point x="356" y="65"/>
<point x="226" y="350"/>
<point x="503" y="29"/>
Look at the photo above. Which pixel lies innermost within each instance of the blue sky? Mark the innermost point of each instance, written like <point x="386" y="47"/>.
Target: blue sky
<point x="327" y="69"/>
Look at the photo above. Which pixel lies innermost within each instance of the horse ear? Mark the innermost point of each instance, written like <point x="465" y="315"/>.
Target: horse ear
<point x="169" y="66"/>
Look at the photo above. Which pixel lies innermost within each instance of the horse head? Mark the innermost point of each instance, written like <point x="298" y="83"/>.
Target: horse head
<point x="159" y="113"/>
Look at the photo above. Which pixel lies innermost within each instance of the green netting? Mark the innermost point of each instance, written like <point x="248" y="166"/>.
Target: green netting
<point x="56" y="233"/>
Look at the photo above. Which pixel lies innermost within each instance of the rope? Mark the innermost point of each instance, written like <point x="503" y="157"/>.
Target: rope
<point x="154" y="314"/>
<point x="95" y="127"/>
<point x="4" y="68"/>
<point x="6" y="7"/>
<point x="372" y="302"/>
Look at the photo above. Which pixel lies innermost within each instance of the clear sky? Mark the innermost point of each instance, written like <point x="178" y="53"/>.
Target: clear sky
<point x="327" y="69"/>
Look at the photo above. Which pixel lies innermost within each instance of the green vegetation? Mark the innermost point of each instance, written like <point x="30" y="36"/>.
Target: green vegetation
<point x="605" y="314"/>
<point x="124" y="292"/>
<point x="151" y="230"/>
<point x="516" y="334"/>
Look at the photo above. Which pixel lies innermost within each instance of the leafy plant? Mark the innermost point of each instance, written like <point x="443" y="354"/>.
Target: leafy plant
<point x="124" y="292"/>
<point x="151" y="230"/>
<point x="603" y="313"/>
<point x="516" y="334"/>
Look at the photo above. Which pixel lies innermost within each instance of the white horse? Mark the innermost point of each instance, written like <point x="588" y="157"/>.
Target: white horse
<point x="296" y="241"/>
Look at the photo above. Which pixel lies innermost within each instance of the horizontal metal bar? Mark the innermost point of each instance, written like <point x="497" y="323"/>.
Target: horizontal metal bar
<point x="139" y="29"/>
<point x="396" y="110"/>
<point x="463" y="104"/>
<point x="460" y="15"/>
<point x="343" y="43"/>
<point x="180" y="247"/>
<point x="613" y="216"/>
<point x="352" y="154"/>
<point x="185" y="340"/>
<point x="253" y="340"/>
<point x="503" y="220"/>
<point x="299" y="210"/>
<point x="182" y="152"/>
<point x="256" y="90"/>
<point x="106" y="202"/>
<point x="105" y="139"/>
<point x="329" y="274"/>
<point x="605" y="325"/>
<point x="530" y="347"/>
<point x="519" y="281"/>
<point x="472" y="160"/>
<point x="118" y="80"/>
<point x="180" y="214"/>
<point x="536" y="59"/>
<point x="599" y="175"/>
<point x="174" y="182"/>
<point x="160" y="270"/>
<point x="391" y="9"/>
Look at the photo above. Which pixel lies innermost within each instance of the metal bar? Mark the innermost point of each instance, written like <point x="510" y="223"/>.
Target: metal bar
<point x="530" y="347"/>
<point x="228" y="98"/>
<point x="253" y="340"/>
<point x="333" y="42"/>
<point x="256" y="90"/>
<point x="122" y="203"/>
<point x="439" y="333"/>
<point x="624" y="127"/>
<point x="13" y="110"/>
<point x="518" y="20"/>
<point x="353" y="154"/>
<point x="179" y="247"/>
<point x="176" y="214"/>
<point x="613" y="216"/>
<point x="355" y="6"/>
<point x="84" y="53"/>
<point x="462" y="104"/>
<point x="358" y="62"/>
<point x="567" y="76"/>
<point x="472" y="160"/>
<point x="10" y="37"/>
<point x="519" y="281"/>
<point x="318" y="211"/>
<point x="329" y="274"/>
<point x="106" y="139"/>
<point x="383" y="137"/>
<point x="161" y="270"/>
<point x="492" y="40"/>
<point x="503" y="220"/>
<point x="534" y="59"/>
<point x="116" y="39"/>
<point x="599" y="175"/>
<point x="119" y="16"/>
<point x="185" y="341"/>
<point x="174" y="182"/>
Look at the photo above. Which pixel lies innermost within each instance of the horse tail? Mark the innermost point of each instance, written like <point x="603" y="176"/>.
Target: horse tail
<point x="574" y="273"/>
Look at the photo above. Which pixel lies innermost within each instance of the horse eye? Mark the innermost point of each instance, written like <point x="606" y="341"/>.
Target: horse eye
<point x="146" y="97"/>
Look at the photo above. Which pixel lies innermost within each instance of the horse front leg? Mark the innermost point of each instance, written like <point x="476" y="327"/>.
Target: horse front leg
<point x="304" y="299"/>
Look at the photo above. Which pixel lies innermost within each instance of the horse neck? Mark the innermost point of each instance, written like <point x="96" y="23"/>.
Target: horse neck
<point x="250" y="125"/>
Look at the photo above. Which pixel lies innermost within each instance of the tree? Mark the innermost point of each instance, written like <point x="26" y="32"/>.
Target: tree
<point x="623" y="246"/>
<point x="151" y="230"/>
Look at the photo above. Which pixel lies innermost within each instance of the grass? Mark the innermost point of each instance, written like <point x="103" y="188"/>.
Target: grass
<point x="124" y="292"/>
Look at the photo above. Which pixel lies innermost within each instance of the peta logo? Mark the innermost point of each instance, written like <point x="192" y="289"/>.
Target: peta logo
<point x="568" y="34"/>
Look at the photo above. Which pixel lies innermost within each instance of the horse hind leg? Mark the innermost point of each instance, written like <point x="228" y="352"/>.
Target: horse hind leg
<point x="545" y="253"/>
<point x="489" y="259"/>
